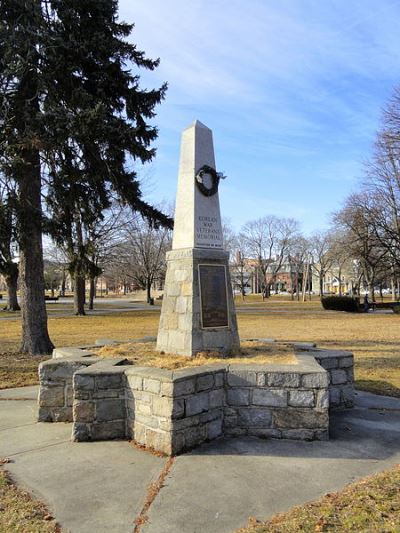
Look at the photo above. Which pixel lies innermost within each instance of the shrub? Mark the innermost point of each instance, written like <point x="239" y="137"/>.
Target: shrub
<point x="341" y="303"/>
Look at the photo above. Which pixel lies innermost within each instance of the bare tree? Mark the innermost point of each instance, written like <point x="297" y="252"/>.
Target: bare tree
<point x="363" y="242"/>
<point x="143" y="254"/>
<point x="322" y="258"/>
<point x="268" y="240"/>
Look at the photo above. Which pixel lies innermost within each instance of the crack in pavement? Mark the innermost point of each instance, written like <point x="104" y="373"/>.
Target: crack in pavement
<point x="152" y="492"/>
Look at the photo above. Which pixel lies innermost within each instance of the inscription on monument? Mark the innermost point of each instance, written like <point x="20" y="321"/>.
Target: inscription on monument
<point x="208" y="232"/>
<point x="213" y="296"/>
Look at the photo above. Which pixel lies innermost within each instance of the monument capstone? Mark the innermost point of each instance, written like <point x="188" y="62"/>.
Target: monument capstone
<point x="198" y="312"/>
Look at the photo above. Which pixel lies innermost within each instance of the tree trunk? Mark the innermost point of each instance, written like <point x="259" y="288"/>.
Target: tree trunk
<point x="321" y="286"/>
<point x="35" y="336"/>
<point x="12" y="281"/>
<point x="148" y="291"/>
<point x="79" y="294"/>
<point x="62" y="291"/>
<point x="92" y="290"/>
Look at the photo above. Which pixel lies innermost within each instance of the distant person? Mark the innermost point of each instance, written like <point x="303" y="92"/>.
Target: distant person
<point x="366" y="303"/>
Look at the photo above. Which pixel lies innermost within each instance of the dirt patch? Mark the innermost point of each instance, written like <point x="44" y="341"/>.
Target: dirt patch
<point x="145" y="354"/>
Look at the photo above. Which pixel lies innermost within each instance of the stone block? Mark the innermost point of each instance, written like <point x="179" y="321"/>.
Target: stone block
<point x="177" y="443"/>
<point x="321" y="434"/>
<point x="283" y="379"/>
<point x="238" y="378"/>
<point x="69" y="395"/>
<point x="138" y="432"/>
<point x="167" y="389"/>
<point x="236" y="432"/>
<point x="102" y="394"/>
<point x="301" y="398"/>
<point x="261" y="380"/>
<point x="334" y="396"/>
<point x="329" y="362"/>
<point x="194" y="436"/>
<point x="230" y="421"/>
<point x="271" y="398"/>
<point x="83" y="382"/>
<point x="182" y="423"/>
<point x="81" y="432"/>
<point x="219" y="379"/>
<point x="338" y="377"/>
<point x="263" y="433"/>
<point x="322" y="399"/>
<point x="81" y="395"/>
<point x="217" y="398"/>
<point x="110" y="410"/>
<point x="113" y="429"/>
<point x="214" y="429"/>
<point x="143" y="408"/>
<point x="180" y="275"/>
<point x="238" y="397"/>
<point x="298" y="434"/>
<point x="151" y="385"/>
<point x="144" y="397"/>
<point x="183" y="387"/>
<point x="350" y="374"/>
<point x="213" y="414"/>
<point x="58" y="370"/>
<point x="254" y="417"/>
<point x="110" y="381"/>
<point x="181" y="304"/>
<point x="297" y="418"/>
<point x="83" y="411"/>
<point x="205" y="382"/>
<point x="196" y="404"/>
<point x="135" y="382"/>
<point x="55" y="414"/>
<point x="159" y="440"/>
<point x="147" y="420"/>
<point x="50" y="396"/>
<point x="346" y="362"/>
<point x="317" y="380"/>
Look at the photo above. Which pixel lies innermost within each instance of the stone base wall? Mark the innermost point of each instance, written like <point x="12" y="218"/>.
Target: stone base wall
<point x="174" y="411"/>
<point x="180" y="330"/>
<point x="340" y="368"/>
<point x="56" y="389"/>
<point x="99" y="408"/>
<point x="279" y="404"/>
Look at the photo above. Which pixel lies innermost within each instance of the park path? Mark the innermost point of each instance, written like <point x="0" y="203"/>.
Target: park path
<point x="103" y="486"/>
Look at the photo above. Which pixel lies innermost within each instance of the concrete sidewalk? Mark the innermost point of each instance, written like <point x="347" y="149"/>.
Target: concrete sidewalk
<point x="102" y="486"/>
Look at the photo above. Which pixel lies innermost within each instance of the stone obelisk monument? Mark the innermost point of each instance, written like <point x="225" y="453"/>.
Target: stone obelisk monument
<point x="198" y="312"/>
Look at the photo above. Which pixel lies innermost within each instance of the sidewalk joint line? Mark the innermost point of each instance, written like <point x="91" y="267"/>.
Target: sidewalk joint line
<point x="38" y="449"/>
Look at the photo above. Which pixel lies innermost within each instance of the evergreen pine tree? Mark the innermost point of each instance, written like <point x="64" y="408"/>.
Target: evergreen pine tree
<point x="88" y="123"/>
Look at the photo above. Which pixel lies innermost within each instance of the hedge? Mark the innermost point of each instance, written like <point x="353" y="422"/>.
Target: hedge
<point x="341" y="303"/>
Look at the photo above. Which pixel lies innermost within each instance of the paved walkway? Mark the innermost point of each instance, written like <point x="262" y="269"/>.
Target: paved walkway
<point x="102" y="486"/>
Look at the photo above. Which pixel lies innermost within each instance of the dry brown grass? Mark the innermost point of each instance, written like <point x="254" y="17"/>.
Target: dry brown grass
<point x="373" y="338"/>
<point x="371" y="505"/>
<point x="20" y="512"/>
<point x="145" y="354"/>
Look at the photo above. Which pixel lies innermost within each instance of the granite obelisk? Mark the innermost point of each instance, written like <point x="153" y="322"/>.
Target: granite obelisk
<point x="198" y="312"/>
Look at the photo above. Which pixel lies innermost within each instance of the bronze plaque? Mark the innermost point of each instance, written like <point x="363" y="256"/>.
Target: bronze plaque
<point x="213" y="296"/>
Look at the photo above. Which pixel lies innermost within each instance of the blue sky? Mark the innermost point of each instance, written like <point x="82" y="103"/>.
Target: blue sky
<point x="292" y="89"/>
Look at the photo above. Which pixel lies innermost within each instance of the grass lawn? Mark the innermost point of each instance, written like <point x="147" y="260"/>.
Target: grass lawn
<point x="374" y="338"/>
<point x="370" y="505"/>
<point x="20" y="512"/>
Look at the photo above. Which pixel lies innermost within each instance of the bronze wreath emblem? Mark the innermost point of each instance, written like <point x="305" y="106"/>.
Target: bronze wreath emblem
<point x="215" y="177"/>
